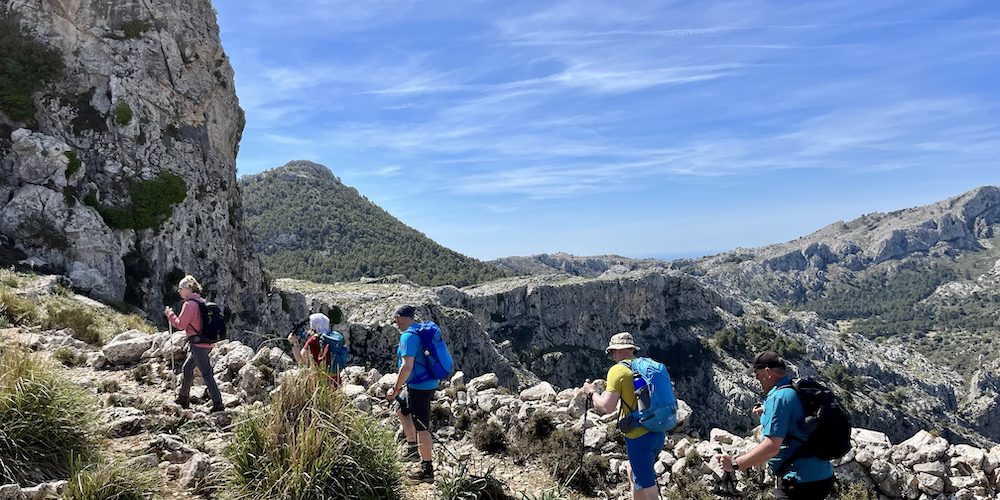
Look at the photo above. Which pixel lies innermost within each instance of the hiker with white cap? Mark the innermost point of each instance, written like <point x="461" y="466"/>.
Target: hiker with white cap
<point x="643" y="440"/>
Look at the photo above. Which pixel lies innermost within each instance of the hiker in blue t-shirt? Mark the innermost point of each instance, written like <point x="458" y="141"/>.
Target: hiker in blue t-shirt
<point x="414" y="409"/>
<point x="782" y="419"/>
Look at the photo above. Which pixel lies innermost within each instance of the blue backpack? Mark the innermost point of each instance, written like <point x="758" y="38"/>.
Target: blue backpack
<point x="657" y="409"/>
<point x="439" y="363"/>
<point x="332" y="343"/>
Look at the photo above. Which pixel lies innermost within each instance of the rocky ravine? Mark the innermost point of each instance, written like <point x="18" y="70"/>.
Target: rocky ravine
<point x="555" y="328"/>
<point x="186" y="445"/>
<point x="146" y="100"/>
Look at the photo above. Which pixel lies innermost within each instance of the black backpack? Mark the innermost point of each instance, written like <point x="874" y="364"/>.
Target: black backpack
<point x="213" y="324"/>
<point x="827" y="424"/>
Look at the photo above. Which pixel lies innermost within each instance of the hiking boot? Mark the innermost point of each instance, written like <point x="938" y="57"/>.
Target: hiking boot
<point x="421" y="474"/>
<point x="409" y="453"/>
<point x="217" y="407"/>
<point x="183" y="402"/>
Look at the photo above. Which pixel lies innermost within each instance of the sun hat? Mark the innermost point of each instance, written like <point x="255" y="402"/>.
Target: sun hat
<point x="622" y="340"/>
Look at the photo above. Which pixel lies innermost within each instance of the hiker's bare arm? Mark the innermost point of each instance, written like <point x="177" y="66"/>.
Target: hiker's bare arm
<point x="761" y="453"/>
<point x="605" y="402"/>
<point x="404" y="373"/>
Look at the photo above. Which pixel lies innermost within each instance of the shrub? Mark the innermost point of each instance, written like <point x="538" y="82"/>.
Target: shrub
<point x="69" y="356"/>
<point x="108" y="386"/>
<point x="311" y="443"/>
<point x="46" y="420"/>
<point x="135" y="28"/>
<point x="143" y="374"/>
<point x="464" y="485"/>
<point x="489" y="438"/>
<point x="112" y="480"/>
<point x="123" y="113"/>
<point x="152" y="202"/>
<point x="563" y="458"/>
<point x="440" y="416"/>
<point x="74" y="163"/>
<point x="855" y="491"/>
<point x="530" y="438"/>
<point x="16" y="310"/>
<point x="77" y="317"/>
<point x="9" y="278"/>
<point x="25" y="66"/>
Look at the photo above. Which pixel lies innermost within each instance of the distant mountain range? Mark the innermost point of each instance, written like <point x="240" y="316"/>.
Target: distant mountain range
<point x="307" y="224"/>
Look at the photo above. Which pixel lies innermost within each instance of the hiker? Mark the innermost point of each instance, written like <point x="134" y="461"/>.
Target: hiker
<point x="190" y="321"/>
<point x="313" y="351"/>
<point x="642" y="445"/>
<point x="414" y="398"/>
<point x="782" y="421"/>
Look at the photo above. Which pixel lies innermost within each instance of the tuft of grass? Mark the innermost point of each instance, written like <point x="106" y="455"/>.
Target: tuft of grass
<point x="108" y="386"/>
<point x="74" y="163"/>
<point x="16" y="310"/>
<point x="112" y="480"/>
<point x="123" y="113"/>
<point x="69" y="356"/>
<point x="489" y="438"/>
<point x="855" y="491"/>
<point x="9" y="278"/>
<point x="80" y="319"/>
<point x="311" y="443"/>
<point x="465" y="485"/>
<point x="562" y="457"/>
<point x="440" y="416"/>
<point x="143" y="374"/>
<point x="46" y="420"/>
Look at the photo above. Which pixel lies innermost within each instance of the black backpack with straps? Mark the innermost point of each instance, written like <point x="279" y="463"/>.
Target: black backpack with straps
<point x="827" y="424"/>
<point x="213" y="324"/>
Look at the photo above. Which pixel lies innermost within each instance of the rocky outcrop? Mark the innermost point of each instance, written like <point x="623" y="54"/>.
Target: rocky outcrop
<point x="124" y="180"/>
<point x="587" y="267"/>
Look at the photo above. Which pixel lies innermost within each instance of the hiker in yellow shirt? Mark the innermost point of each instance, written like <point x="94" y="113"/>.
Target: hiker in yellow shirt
<point x="643" y="446"/>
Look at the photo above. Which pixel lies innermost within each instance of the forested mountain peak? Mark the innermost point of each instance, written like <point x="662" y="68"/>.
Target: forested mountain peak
<point x="307" y="224"/>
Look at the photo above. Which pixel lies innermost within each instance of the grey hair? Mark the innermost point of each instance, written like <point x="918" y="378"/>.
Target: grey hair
<point x="190" y="283"/>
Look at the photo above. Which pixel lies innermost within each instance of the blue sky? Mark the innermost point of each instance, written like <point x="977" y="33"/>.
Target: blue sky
<point x="635" y="128"/>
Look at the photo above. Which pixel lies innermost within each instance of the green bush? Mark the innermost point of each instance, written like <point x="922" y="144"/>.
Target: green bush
<point x="531" y="437"/>
<point x="143" y="374"/>
<point x="45" y="420"/>
<point x="25" y="66"/>
<point x="16" y="310"/>
<point x="311" y="443"/>
<point x="489" y="438"/>
<point x="112" y="480"/>
<point x="123" y="113"/>
<point x="74" y="163"/>
<point x="108" y="386"/>
<point x="464" y="485"/>
<point x="151" y="203"/>
<point x="69" y="356"/>
<point x="855" y="491"/>
<point x="562" y="457"/>
<point x="440" y="416"/>
<point x="79" y="318"/>
<point x="135" y="28"/>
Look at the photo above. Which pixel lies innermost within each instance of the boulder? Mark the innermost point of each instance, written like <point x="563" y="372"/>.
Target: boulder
<point x="127" y="348"/>
<point x="930" y="484"/>
<point x="194" y="472"/>
<point x="483" y="382"/>
<point x="542" y="391"/>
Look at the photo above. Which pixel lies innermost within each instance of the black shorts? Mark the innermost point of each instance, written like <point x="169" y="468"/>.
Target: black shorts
<point x="417" y="404"/>
<point x="793" y="490"/>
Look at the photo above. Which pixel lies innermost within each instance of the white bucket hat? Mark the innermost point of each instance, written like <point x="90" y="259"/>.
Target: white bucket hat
<point x="621" y="340"/>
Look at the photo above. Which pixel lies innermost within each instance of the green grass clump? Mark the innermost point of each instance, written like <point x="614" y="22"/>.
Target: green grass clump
<point x="311" y="443"/>
<point x="489" y="438"/>
<point x="152" y="202"/>
<point x="74" y="163"/>
<point x="135" y="28"/>
<point x="25" y="66"/>
<point x="463" y="484"/>
<point x="123" y="113"/>
<point x="112" y="480"/>
<point x="68" y="356"/>
<point x="16" y="310"/>
<point x="80" y="319"/>
<point x="46" y="420"/>
<point x="108" y="386"/>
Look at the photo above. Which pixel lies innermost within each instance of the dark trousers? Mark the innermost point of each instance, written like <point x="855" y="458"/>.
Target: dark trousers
<point x="198" y="356"/>
<point x="794" y="490"/>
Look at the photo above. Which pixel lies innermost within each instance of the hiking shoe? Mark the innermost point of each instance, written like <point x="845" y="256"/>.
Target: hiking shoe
<point x="217" y="407"/>
<point x="421" y="475"/>
<point x="408" y="453"/>
<point x="183" y="402"/>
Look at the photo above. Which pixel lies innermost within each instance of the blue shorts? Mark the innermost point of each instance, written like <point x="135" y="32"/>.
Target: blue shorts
<point x="642" y="454"/>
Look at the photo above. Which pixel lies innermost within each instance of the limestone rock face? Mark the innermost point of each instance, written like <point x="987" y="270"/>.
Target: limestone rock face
<point x="131" y="106"/>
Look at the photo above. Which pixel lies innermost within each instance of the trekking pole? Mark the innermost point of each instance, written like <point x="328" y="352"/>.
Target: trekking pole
<point x="435" y="441"/>
<point x="583" y="428"/>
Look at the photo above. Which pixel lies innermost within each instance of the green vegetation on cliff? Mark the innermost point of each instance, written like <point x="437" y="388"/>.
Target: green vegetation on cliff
<point x="308" y="225"/>
<point x="25" y="65"/>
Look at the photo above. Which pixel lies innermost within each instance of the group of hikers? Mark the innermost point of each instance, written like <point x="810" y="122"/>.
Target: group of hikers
<point x="637" y="387"/>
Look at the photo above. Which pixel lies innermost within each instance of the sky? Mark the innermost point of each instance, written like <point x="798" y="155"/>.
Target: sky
<point x="645" y="129"/>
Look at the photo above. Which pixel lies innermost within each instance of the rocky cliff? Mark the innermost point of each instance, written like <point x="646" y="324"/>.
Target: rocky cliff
<point x="554" y="328"/>
<point x="587" y="267"/>
<point x="124" y="178"/>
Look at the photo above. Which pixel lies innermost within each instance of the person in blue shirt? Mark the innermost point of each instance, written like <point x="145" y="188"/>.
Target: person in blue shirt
<point x="414" y="403"/>
<point x="782" y="419"/>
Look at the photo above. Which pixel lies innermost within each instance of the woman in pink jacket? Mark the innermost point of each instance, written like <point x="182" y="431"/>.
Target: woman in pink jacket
<point x="190" y="321"/>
